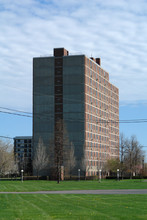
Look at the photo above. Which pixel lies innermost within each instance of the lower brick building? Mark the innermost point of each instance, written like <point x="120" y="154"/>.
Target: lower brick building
<point x="23" y="153"/>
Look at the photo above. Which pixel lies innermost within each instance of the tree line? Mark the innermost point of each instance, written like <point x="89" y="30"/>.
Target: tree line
<point x="62" y="156"/>
<point x="131" y="161"/>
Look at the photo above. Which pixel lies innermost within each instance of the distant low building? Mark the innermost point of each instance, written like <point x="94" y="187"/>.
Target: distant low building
<point x="23" y="153"/>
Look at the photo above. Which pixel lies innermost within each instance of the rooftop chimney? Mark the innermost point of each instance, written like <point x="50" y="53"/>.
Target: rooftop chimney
<point x="59" y="52"/>
<point x="98" y="61"/>
<point x="92" y="58"/>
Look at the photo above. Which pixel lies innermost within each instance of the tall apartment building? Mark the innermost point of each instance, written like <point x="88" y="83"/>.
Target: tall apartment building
<point x="76" y="90"/>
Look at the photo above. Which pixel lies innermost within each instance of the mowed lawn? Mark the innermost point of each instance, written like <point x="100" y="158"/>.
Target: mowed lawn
<point x="45" y="207"/>
<point x="32" y="185"/>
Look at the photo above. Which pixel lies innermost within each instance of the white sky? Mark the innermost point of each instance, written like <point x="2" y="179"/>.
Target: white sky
<point x="114" y="30"/>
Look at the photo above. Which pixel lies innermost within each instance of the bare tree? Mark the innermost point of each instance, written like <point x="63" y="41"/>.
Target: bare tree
<point x="64" y="158"/>
<point x="12" y="165"/>
<point x="85" y="163"/>
<point x="69" y="158"/>
<point x="41" y="159"/>
<point x="122" y="151"/>
<point x="133" y="155"/>
<point x="7" y="161"/>
<point x="58" y="148"/>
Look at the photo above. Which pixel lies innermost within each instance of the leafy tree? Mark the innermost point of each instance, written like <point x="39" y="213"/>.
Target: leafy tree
<point x="112" y="165"/>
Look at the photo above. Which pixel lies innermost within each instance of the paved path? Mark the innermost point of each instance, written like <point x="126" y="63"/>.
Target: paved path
<point x="98" y="192"/>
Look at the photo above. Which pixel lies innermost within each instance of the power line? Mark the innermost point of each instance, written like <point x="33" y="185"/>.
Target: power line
<point x="6" y="137"/>
<point x="15" y="110"/>
<point x="46" y="116"/>
<point x="16" y="114"/>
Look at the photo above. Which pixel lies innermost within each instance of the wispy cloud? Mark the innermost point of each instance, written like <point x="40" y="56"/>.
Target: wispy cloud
<point x="113" y="30"/>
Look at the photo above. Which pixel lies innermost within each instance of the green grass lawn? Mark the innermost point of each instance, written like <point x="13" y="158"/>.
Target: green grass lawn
<point x="42" y="185"/>
<point x="45" y="207"/>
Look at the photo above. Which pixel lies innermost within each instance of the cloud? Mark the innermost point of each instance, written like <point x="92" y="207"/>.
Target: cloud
<point x="113" y="30"/>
